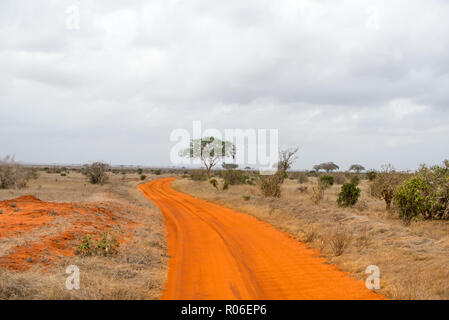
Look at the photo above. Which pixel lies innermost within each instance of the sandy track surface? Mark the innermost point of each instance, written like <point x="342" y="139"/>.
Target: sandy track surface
<point x="217" y="253"/>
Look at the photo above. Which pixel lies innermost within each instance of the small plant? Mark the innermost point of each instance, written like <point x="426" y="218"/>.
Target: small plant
<point x="339" y="241"/>
<point x="327" y="180"/>
<point x="317" y="194"/>
<point x="214" y="182"/>
<point x="310" y="235"/>
<point x="349" y="195"/>
<point x="246" y="198"/>
<point x="105" y="246"/>
<point x="139" y="171"/>
<point x="157" y="172"/>
<point x="143" y="177"/>
<point x="225" y="186"/>
<point x="63" y="174"/>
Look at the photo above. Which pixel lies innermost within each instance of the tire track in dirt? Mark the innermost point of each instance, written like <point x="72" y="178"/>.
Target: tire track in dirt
<point x="217" y="253"/>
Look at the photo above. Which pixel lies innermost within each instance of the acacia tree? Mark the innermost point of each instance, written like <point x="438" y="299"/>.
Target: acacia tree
<point x="356" y="168"/>
<point x="286" y="159"/>
<point x="230" y="166"/>
<point x="210" y="151"/>
<point x="326" y="166"/>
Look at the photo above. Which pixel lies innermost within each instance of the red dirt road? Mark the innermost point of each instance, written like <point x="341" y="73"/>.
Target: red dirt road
<point x="217" y="253"/>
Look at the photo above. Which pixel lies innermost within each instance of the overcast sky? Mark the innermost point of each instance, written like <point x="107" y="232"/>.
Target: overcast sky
<point x="348" y="81"/>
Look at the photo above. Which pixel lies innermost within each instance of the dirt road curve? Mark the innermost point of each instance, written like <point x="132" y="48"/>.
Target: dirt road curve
<point x="217" y="253"/>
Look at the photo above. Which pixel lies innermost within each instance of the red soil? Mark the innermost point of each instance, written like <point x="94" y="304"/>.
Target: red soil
<point x="49" y="231"/>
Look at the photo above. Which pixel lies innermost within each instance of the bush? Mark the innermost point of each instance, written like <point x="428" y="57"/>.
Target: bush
<point x="270" y="185"/>
<point x="143" y="177"/>
<point x="312" y="173"/>
<point x="157" y="172"/>
<point x="371" y="175"/>
<point x="225" y="186"/>
<point x="327" y="180"/>
<point x="355" y="180"/>
<point x="339" y="241"/>
<point x="96" y="172"/>
<point x="139" y="171"/>
<point x="303" y="178"/>
<point x="425" y="195"/>
<point x="14" y="175"/>
<point x="317" y="194"/>
<point x="234" y="177"/>
<point x="339" y="179"/>
<point x="349" y="195"/>
<point x="385" y="184"/>
<point x="198" y="175"/>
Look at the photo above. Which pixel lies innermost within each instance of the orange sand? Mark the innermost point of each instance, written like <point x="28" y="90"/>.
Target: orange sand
<point x="217" y="253"/>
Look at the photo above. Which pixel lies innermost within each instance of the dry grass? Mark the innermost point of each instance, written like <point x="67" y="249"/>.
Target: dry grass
<point x="413" y="260"/>
<point x="139" y="269"/>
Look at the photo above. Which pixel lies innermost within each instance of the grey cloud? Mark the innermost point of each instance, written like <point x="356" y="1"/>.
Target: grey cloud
<point x="338" y="88"/>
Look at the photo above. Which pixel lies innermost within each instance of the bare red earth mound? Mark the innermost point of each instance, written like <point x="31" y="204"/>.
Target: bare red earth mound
<point x="37" y="232"/>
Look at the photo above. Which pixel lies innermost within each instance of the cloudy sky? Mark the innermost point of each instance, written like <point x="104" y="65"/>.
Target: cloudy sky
<point x="348" y="81"/>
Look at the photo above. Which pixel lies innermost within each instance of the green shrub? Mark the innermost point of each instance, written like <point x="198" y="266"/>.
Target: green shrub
<point x="349" y="195"/>
<point x="143" y="177"/>
<point x="225" y="186"/>
<point x="157" y="172"/>
<point x="214" y="182"/>
<point x="105" y="246"/>
<point x="425" y="195"/>
<point x="139" y="171"/>
<point x="327" y="180"/>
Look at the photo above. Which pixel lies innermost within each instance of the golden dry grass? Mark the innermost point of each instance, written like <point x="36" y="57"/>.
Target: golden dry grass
<point x="138" y="271"/>
<point x="413" y="260"/>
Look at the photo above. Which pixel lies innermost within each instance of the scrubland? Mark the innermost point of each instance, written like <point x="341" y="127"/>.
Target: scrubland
<point x="40" y="239"/>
